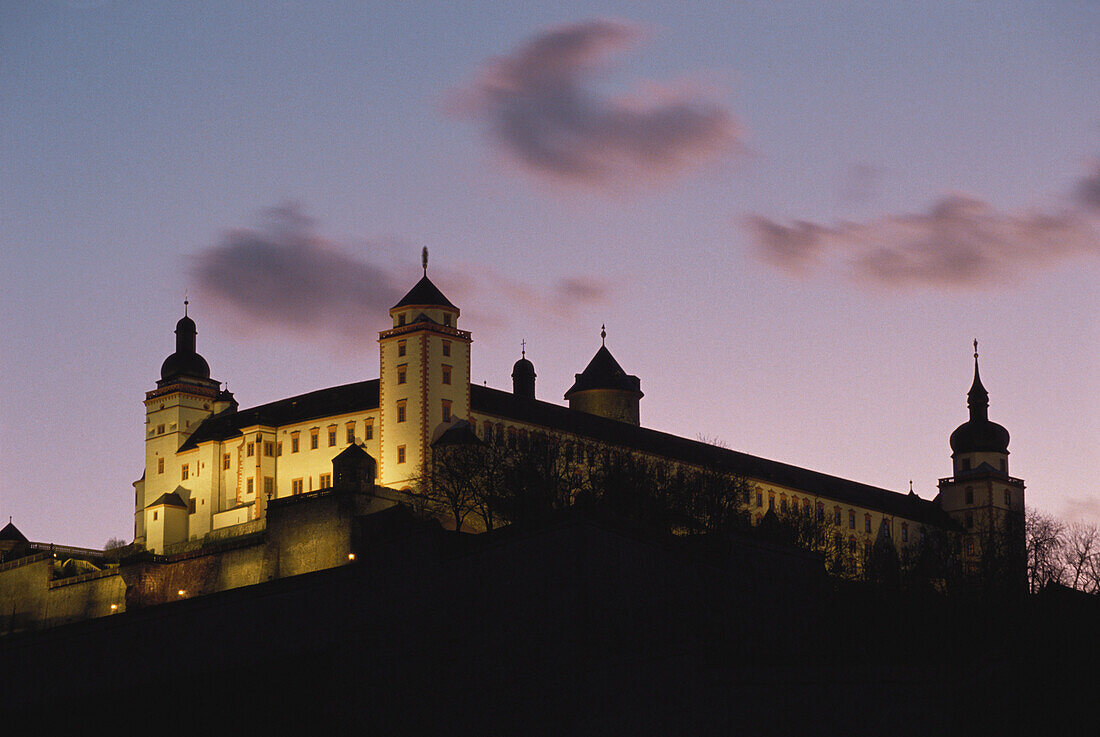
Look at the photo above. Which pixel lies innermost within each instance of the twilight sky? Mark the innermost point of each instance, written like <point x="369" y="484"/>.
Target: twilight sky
<point x="793" y="218"/>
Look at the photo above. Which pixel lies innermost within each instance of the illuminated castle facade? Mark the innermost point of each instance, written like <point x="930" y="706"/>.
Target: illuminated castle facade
<point x="211" y="466"/>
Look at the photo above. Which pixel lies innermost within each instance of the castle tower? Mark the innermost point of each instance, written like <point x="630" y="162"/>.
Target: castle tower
<point x="981" y="496"/>
<point x="184" y="397"/>
<point x="604" y="389"/>
<point x="424" y="379"/>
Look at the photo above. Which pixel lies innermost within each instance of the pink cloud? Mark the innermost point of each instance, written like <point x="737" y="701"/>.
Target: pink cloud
<point x="539" y="110"/>
<point x="959" y="242"/>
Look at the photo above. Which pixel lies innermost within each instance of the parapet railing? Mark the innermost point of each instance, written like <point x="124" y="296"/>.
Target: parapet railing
<point x="968" y="477"/>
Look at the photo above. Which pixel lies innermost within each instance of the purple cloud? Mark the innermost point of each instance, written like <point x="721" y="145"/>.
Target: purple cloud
<point x="960" y="242"/>
<point x="538" y="110"/>
<point x="1087" y="192"/>
<point x="283" y="275"/>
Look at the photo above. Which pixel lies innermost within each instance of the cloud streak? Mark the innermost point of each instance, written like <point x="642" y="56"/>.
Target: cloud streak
<point x="960" y="242"/>
<point x="539" y="108"/>
<point x="283" y="276"/>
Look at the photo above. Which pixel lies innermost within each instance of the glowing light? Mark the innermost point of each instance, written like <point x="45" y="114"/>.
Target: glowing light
<point x="114" y="607"/>
<point x="351" y="556"/>
<point x="182" y="592"/>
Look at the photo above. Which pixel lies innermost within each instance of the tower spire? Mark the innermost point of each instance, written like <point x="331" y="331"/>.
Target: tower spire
<point x="977" y="399"/>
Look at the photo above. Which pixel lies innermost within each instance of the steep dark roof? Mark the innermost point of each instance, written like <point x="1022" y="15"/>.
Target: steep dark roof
<point x="362" y="395"/>
<point x="171" y="499"/>
<point x="554" y="417"/>
<point x="458" y="432"/>
<point x="604" y="372"/>
<point x="425" y="293"/>
<point x="11" y="532"/>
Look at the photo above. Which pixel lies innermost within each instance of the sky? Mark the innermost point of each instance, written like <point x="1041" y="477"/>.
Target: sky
<point x="794" y="218"/>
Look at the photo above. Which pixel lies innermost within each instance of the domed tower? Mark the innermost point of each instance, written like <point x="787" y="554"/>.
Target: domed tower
<point x="424" y="379"/>
<point x="981" y="496"/>
<point x="523" y="376"/>
<point x="604" y="389"/>
<point x="184" y="397"/>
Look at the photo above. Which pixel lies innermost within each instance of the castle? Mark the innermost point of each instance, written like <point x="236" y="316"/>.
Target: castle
<point x="211" y="467"/>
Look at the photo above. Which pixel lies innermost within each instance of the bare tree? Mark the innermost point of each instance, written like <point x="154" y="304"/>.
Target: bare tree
<point x="1045" y="538"/>
<point x="1080" y="551"/>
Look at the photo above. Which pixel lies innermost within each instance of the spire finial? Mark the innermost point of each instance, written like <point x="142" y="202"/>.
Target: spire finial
<point x="424" y="259"/>
<point x="186" y="301"/>
<point x="603" y="335"/>
<point x="523" y="348"/>
<point x="910" y="486"/>
<point x="975" y="349"/>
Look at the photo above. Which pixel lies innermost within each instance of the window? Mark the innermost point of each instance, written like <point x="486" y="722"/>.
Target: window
<point x="351" y="433"/>
<point x="836" y="516"/>
<point x="184" y="472"/>
<point x="446" y="348"/>
<point x="401" y="410"/>
<point x="446" y="410"/>
<point x="904" y="532"/>
<point x="759" y="498"/>
<point x="294" y="442"/>
<point x="771" y="502"/>
<point x="368" y="433"/>
<point x="852" y="545"/>
<point x="402" y="372"/>
<point x="154" y="515"/>
<point x="446" y="374"/>
<point x="970" y="546"/>
<point x="820" y="512"/>
<point x="866" y="523"/>
<point x="969" y="520"/>
<point x="1008" y="499"/>
<point x="400" y="320"/>
<point x="250" y="450"/>
<point x="332" y="436"/>
<point x="446" y="320"/>
<point x="851" y="519"/>
<point x="226" y="461"/>
<point x="401" y="347"/>
<point x="969" y="495"/>
<point x="326" y="481"/>
<point x="782" y="502"/>
<point x="401" y="454"/>
<point x="1004" y="466"/>
<point x="278" y="449"/>
<point x="269" y="486"/>
<point x="160" y="429"/>
<point x="269" y="449"/>
<point x="313" y="435"/>
<point x="250" y="486"/>
<point x="296" y="486"/>
<point x="966" y="464"/>
<point x="160" y="465"/>
<point x="190" y="506"/>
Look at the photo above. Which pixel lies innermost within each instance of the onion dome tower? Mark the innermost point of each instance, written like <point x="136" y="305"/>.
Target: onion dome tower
<point x="523" y="376"/>
<point x="605" y="389"/>
<point x="986" y="502"/>
<point x="184" y="397"/>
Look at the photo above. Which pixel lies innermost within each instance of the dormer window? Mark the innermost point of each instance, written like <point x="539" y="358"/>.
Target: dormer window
<point x="400" y="319"/>
<point x="446" y="320"/>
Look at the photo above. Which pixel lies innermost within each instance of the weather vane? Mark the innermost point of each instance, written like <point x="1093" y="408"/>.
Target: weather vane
<point x="186" y="301"/>
<point x="603" y="334"/>
<point x="523" y="348"/>
<point x="424" y="259"/>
